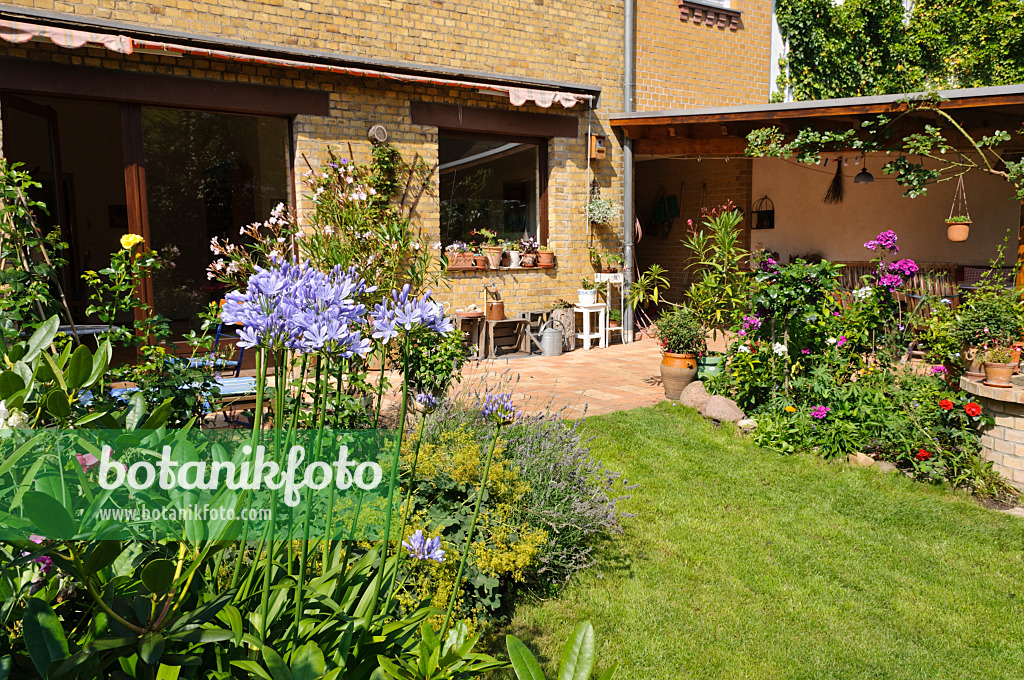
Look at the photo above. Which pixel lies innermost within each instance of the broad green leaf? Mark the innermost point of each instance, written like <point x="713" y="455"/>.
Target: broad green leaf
<point x="102" y="555"/>
<point x="278" y="668"/>
<point x="524" y="663"/>
<point x="151" y="648"/>
<point x="136" y="411"/>
<point x="233" y="618"/>
<point x="79" y="368"/>
<point x="48" y="515"/>
<point x="578" y="655"/>
<point x="253" y="668"/>
<point x="307" y="662"/>
<point x="165" y="672"/>
<point x="158" y="575"/>
<point x="607" y="675"/>
<point x="22" y="450"/>
<point x="159" y="415"/>
<point x="57" y="404"/>
<point x="100" y="362"/>
<point x="57" y="371"/>
<point x="44" y="636"/>
<point x="43" y="337"/>
<point x="10" y="382"/>
<point x="5" y="667"/>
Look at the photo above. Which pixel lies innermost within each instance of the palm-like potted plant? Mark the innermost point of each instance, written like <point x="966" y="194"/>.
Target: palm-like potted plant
<point x="683" y="340"/>
<point x="588" y="291"/>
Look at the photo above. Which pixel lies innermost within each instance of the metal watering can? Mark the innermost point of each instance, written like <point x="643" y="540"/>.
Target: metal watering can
<point x="551" y="339"/>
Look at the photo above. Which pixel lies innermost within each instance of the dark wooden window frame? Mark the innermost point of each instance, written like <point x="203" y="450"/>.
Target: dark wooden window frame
<point x="542" y="169"/>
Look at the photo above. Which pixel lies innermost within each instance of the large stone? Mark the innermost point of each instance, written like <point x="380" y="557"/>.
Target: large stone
<point x="747" y="424"/>
<point x="885" y="466"/>
<point x="694" y="396"/>
<point x="723" y="410"/>
<point x="860" y="459"/>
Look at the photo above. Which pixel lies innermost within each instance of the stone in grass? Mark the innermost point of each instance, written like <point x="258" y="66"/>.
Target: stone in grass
<point x="885" y="466"/>
<point x="723" y="410"/>
<point x="860" y="459"/>
<point x="747" y="424"/>
<point x="694" y="396"/>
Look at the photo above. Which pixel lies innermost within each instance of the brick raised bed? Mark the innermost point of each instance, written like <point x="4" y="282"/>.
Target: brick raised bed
<point x="1003" y="443"/>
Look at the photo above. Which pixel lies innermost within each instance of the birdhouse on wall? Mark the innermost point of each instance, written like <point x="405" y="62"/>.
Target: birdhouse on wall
<point x="598" y="144"/>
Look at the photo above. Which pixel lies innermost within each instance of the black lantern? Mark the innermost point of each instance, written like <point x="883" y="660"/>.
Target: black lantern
<point x="764" y="214"/>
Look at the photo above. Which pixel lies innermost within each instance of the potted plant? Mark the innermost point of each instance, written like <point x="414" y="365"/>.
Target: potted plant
<point x="602" y="210"/>
<point x="515" y="256"/>
<point x="528" y="247"/>
<point x="612" y="262"/>
<point x="588" y="291"/>
<point x="491" y="247"/>
<point x="460" y="256"/>
<point x="999" y="365"/>
<point x="615" y="318"/>
<point x="991" y="313"/>
<point x="479" y="258"/>
<point x="545" y="258"/>
<point x="683" y="341"/>
<point x="564" y="316"/>
<point x="957" y="228"/>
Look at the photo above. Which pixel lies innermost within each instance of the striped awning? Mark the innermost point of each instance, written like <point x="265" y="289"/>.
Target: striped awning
<point x="21" y="32"/>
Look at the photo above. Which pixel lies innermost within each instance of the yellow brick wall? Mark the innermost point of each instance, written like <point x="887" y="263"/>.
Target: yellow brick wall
<point x="358" y="103"/>
<point x="681" y="64"/>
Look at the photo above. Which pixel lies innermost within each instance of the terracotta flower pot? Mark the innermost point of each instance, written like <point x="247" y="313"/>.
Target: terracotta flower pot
<point x="529" y="260"/>
<point x="545" y="259"/>
<point x="462" y="261"/>
<point x="493" y="254"/>
<point x="972" y="363"/>
<point x="957" y="231"/>
<point x="677" y="371"/>
<point x="506" y="260"/>
<point x="481" y="261"/>
<point x="998" y="375"/>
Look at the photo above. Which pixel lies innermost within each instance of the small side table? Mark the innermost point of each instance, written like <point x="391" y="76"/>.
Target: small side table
<point x="475" y="330"/>
<point x="588" y="333"/>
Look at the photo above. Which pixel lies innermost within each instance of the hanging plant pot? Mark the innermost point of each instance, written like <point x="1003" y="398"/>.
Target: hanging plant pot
<point x="957" y="231"/>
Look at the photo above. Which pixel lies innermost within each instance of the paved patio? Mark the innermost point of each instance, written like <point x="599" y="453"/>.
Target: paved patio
<point x="591" y="382"/>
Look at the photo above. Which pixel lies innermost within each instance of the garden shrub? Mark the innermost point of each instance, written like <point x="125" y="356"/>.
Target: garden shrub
<point x="434" y="363"/>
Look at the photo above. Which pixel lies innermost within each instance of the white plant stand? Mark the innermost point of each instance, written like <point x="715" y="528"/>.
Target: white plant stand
<point x="613" y="280"/>
<point x="589" y="332"/>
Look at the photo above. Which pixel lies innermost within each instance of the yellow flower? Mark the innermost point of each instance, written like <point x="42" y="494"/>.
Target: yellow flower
<point x="790" y="409"/>
<point x="129" y="241"/>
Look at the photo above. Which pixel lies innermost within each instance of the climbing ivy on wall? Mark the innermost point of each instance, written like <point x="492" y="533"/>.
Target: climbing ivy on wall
<point x="864" y="47"/>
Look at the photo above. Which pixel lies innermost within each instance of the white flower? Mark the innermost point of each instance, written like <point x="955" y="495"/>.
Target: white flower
<point x="779" y="349"/>
<point x="11" y="418"/>
<point x="437" y="246"/>
<point x="862" y="293"/>
<point x="831" y="341"/>
<point x="416" y="245"/>
<point x="743" y="348"/>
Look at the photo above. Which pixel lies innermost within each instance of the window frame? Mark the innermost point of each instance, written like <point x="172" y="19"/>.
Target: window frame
<point x="542" y="168"/>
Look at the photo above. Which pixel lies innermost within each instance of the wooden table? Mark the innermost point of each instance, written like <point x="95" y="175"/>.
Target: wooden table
<point x="474" y="328"/>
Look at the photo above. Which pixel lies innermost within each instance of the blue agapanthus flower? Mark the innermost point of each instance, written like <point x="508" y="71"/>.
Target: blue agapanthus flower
<point x="423" y="548"/>
<point x="294" y="306"/>
<point x="499" y="408"/>
<point x="426" y="401"/>
<point x="403" y="313"/>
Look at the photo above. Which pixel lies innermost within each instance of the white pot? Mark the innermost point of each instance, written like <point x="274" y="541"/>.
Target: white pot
<point x="587" y="297"/>
<point x="515" y="258"/>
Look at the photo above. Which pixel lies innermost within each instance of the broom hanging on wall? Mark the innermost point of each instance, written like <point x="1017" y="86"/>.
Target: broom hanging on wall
<point x="835" y="189"/>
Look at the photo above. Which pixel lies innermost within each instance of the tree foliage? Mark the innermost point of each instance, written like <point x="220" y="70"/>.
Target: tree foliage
<point x="865" y="47"/>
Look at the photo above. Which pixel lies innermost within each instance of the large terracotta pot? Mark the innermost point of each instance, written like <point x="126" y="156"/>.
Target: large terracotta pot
<point x="462" y="261"/>
<point x="998" y="375"/>
<point x="677" y="371"/>
<point x="493" y="254"/>
<point x="545" y="259"/>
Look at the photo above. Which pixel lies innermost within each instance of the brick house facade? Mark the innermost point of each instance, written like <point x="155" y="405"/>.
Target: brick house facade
<point x="439" y="52"/>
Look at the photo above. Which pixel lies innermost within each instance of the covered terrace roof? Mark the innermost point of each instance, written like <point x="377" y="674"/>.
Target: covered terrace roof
<point x="723" y="130"/>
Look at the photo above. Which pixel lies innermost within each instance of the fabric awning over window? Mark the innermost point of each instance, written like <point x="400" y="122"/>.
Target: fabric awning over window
<point x="20" y="32"/>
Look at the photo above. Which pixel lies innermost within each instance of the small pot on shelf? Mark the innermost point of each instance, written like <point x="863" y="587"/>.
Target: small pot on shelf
<point x="545" y="259"/>
<point x="529" y="260"/>
<point x="973" y="362"/>
<point x="495" y="310"/>
<point x="515" y="259"/>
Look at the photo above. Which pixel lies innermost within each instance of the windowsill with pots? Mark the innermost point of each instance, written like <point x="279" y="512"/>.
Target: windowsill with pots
<point x="477" y="270"/>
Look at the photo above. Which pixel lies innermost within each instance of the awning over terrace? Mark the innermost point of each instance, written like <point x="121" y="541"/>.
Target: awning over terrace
<point x="19" y="25"/>
<point x="723" y="130"/>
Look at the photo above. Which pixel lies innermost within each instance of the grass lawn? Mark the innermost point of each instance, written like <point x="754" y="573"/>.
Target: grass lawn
<point x="741" y="563"/>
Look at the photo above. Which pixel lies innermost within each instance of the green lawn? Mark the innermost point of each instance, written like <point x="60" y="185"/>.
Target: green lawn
<point x="741" y="563"/>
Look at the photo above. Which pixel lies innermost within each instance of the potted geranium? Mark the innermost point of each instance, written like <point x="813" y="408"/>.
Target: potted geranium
<point x="528" y="247"/>
<point x="999" y="365"/>
<point x="992" y="314"/>
<point x="683" y="341"/>
<point x="612" y="262"/>
<point x="958" y="227"/>
<point x="492" y="247"/>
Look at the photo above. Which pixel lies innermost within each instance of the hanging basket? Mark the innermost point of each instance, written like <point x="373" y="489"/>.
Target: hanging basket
<point x="764" y="214"/>
<point x="958" y="224"/>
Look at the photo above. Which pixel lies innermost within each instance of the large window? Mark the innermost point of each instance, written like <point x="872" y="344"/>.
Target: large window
<point x="491" y="182"/>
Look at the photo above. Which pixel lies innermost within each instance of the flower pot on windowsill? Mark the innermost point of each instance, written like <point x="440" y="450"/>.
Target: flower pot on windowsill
<point x="481" y="261"/>
<point x="957" y="231"/>
<point x="529" y="260"/>
<point x="462" y="262"/>
<point x="545" y="259"/>
<point x="998" y="375"/>
<point x="506" y="261"/>
<point x="493" y="254"/>
<point x="587" y="297"/>
<point x="677" y="371"/>
<point x="515" y="259"/>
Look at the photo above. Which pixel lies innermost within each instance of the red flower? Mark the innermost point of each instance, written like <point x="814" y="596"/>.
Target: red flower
<point x="972" y="409"/>
<point x="924" y="455"/>
<point x="946" y="405"/>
